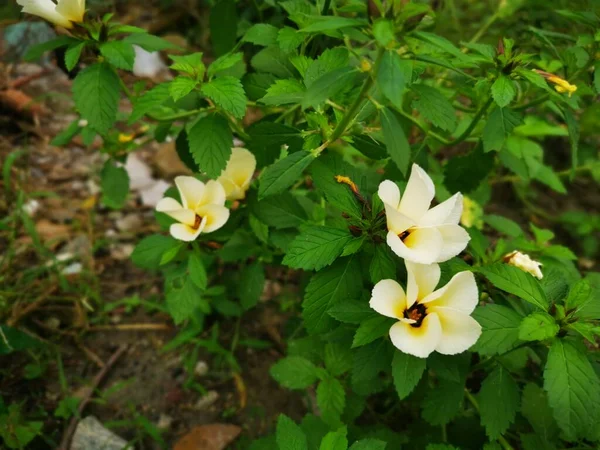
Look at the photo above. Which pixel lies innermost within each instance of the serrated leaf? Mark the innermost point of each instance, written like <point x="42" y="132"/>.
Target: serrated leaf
<point x="73" y="54"/>
<point x="514" y="281"/>
<point x="536" y="409"/>
<point x="579" y="296"/>
<point x="503" y="90"/>
<point x="115" y="185"/>
<point x="289" y="435"/>
<point x="267" y="138"/>
<point x="227" y="93"/>
<point x="149" y="42"/>
<point x="341" y="281"/>
<point x="443" y="402"/>
<point x="252" y="283"/>
<point x="383" y="30"/>
<point x="369" y="147"/>
<point x="210" y="142"/>
<point x="338" y="358"/>
<point x="328" y="61"/>
<point x="498" y="127"/>
<point x="369" y="361"/>
<point x="284" y="92"/>
<point x="181" y="86"/>
<point x="273" y="60"/>
<point x="283" y="173"/>
<point x="537" y="327"/>
<point x="223" y="63"/>
<point x="151" y="100"/>
<point x="223" y="26"/>
<point x="316" y="247"/>
<point x="395" y="140"/>
<point x="261" y="34"/>
<point x="197" y="271"/>
<point x="289" y="39"/>
<point x="331" y="400"/>
<point x="189" y="64"/>
<point x="119" y="54"/>
<point x="500" y="329"/>
<point x="466" y="173"/>
<point x="328" y="86"/>
<point x="371" y="329"/>
<point x="394" y="75"/>
<point x="280" y="211"/>
<point x="351" y="311"/>
<point x="433" y="106"/>
<point x="149" y="251"/>
<point x="573" y="390"/>
<point x="182" y="301"/>
<point x="294" y="372"/>
<point x="407" y="370"/>
<point x="96" y="96"/>
<point x="319" y="24"/>
<point x="498" y="402"/>
<point x="35" y="52"/>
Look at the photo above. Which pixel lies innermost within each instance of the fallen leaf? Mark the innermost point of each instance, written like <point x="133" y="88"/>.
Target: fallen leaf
<point x="49" y="230"/>
<point x="216" y="436"/>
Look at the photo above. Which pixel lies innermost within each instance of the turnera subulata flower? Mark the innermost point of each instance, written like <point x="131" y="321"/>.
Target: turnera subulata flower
<point x="64" y="13"/>
<point x="524" y="262"/>
<point x="237" y="176"/>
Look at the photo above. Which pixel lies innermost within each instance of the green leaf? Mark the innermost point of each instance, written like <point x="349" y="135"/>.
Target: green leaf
<point x="316" y="247"/>
<point x="369" y="147"/>
<point x="338" y="358"/>
<point x="500" y="329"/>
<point x="503" y="90"/>
<point x="574" y="135"/>
<point x="227" y="93"/>
<point x="267" y="138"/>
<point x="151" y="100"/>
<point x="352" y="311"/>
<point x="433" y="106"/>
<point x="579" y="296"/>
<point x="536" y="409"/>
<point x="210" y="142"/>
<point x="394" y="75"/>
<point x="115" y="185"/>
<point x="181" y="86"/>
<point x="120" y="54"/>
<point x="289" y="435"/>
<point x="504" y="225"/>
<point x="331" y="400"/>
<point x="370" y="360"/>
<point x="273" y="60"/>
<point x="407" y="370"/>
<point x="182" y="301"/>
<point x="96" y="96"/>
<point x="537" y="327"/>
<point x="573" y="390"/>
<point x="466" y="173"/>
<point x="191" y="64"/>
<point x="369" y="444"/>
<point x="149" y="42"/>
<point x="328" y="23"/>
<point x="283" y="173"/>
<point x="261" y="34"/>
<point x="224" y="62"/>
<point x="252" y="283"/>
<point x="66" y="135"/>
<point x="340" y="282"/>
<point x="383" y="264"/>
<point x="73" y="54"/>
<point x="223" y="26"/>
<point x="372" y="329"/>
<point x="35" y="52"/>
<point x="498" y="402"/>
<point x="330" y="60"/>
<point x="13" y="340"/>
<point x="294" y="372"/>
<point x="514" y="281"/>
<point x="383" y="30"/>
<point x="284" y="92"/>
<point x="335" y="440"/>
<point x="148" y="253"/>
<point x="289" y="39"/>
<point x="328" y="86"/>
<point x="443" y="402"/>
<point x="395" y="141"/>
<point x="498" y="127"/>
<point x="197" y="271"/>
<point x="483" y="49"/>
<point x="441" y="43"/>
<point x="280" y="211"/>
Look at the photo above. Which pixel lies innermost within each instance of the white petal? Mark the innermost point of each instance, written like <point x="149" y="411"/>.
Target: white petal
<point x="172" y="208"/>
<point x="418" y="194"/>
<point x="459" y="332"/>
<point x="460" y="294"/>
<point x="241" y="166"/>
<point x="455" y="240"/>
<point x="447" y="212"/>
<point x="214" y="194"/>
<point x="184" y="232"/>
<point x="216" y="216"/>
<point x="389" y="193"/>
<point x="422" y="246"/>
<point x="396" y="221"/>
<point x="191" y="191"/>
<point x="46" y="9"/>
<point x="388" y="299"/>
<point x="417" y="341"/>
<point x="71" y="9"/>
<point x="422" y="280"/>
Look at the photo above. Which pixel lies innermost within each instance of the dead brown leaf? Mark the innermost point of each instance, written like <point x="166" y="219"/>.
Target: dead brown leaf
<point x="216" y="436"/>
<point x="48" y="230"/>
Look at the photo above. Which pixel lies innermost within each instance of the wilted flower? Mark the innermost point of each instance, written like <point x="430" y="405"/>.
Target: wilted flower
<point x="64" y="14"/>
<point x="560" y="84"/>
<point x="201" y="210"/>
<point x="524" y="262"/>
<point x="237" y="176"/>
<point x="472" y="214"/>
<point x="417" y="233"/>
<point x="429" y="320"/>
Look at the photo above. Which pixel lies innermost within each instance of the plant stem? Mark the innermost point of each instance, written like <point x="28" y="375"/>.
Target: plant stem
<point x="362" y="96"/>
<point x="178" y="116"/>
<point x="484" y="27"/>
<point x="478" y="115"/>
<point x="475" y="404"/>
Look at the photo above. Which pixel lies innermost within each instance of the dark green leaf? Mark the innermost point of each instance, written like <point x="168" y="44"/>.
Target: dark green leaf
<point x="210" y="142"/>
<point x="394" y="75"/>
<point x="498" y="402"/>
<point x="283" y="173"/>
<point x="115" y="185"/>
<point x="407" y="370"/>
<point x="294" y="372"/>
<point x="500" y="329"/>
<point x="223" y="26"/>
<point x="395" y="141"/>
<point x="498" y="127"/>
<point x="514" y="281"/>
<point x="227" y="93"/>
<point x="119" y="54"/>
<point x="316" y="247"/>
<point x="252" y="283"/>
<point x="433" y="106"/>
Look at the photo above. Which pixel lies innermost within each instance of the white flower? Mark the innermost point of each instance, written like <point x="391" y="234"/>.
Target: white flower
<point x="417" y="233"/>
<point x="429" y="320"/>
<point x="202" y="209"/>
<point x="237" y="176"/>
<point x="525" y="263"/>
<point x="64" y="14"/>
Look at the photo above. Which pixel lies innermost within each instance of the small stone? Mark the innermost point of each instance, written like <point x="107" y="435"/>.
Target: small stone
<point x="164" y="422"/>
<point x="207" y="400"/>
<point x="130" y="222"/>
<point x="92" y="435"/>
<point x="201" y="368"/>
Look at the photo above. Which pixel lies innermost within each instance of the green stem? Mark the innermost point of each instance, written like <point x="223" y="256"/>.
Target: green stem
<point x="478" y="115"/>
<point x="484" y="27"/>
<point x="178" y="116"/>
<point x="355" y="106"/>
<point x="326" y="7"/>
<point x="475" y="404"/>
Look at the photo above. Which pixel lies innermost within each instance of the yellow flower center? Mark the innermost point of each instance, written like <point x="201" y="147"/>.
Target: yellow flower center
<point x="197" y="222"/>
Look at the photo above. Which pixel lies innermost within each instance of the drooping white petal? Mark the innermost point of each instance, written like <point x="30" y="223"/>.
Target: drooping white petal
<point x="459" y="331"/>
<point x="46" y="9"/>
<point x="422" y="246"/>
<point x="460" y="294"/>
<point x="184" y="232"/>
<point x="455" y="240"/>
<point x="422" y="280"/>
<point x="215" y="216"/>
<point x="388" y="299"/>
<point x="418" y="194"/>
<point x="417" y="341"/>
<point x="172" y="208"/>
<point x="396" y="221"/>
<point x="214" y="194"/>
<point x="191" y="191"/>
<point x="71" y="9"/>
<point x="389" y="193"/>
<point x="447" y="212"/>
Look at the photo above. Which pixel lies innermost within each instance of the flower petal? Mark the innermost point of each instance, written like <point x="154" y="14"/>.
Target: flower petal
<point x="216" y="216"/>
<point x="418" y="194"/>
<point x="455" y="240"/>
<point x="71" y="9"/>
<point x="214" y="194"/>
<point x="389" y="193"/>
<point x="184" y="232"/>
<point x="459" y="331"/>
<point x="172" y="208"/>
<point x="396" y="221"/>
<point x="417" y="341"/>
<point x="46" y="9"/>
<point x="447" y="212"/>
<point x="388" y="299"/>
<point x="460" y="294"/>
<point x="422" y="246"/>
<point x="422" y="280"/>
<point x="241" y="166"/>
<point x="191" y="191"/>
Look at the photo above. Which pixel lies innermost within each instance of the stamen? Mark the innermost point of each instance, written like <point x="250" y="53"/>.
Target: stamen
<point x="404" y="235"/>
<point x="416" y="312"/>
<point x="197" y="222"/>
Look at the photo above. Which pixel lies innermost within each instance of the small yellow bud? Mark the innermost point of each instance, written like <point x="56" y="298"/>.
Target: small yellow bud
<point x="365" y="65"/>
<point x="346" y="180"/>
<point x="562" y="86"/>
<point x="472" y="215"/>
<point x="125" y="138"/>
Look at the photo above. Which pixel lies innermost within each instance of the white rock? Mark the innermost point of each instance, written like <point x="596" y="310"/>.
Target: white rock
<point x="92" y="435"/>
<point x="201" y="368"/>
<point x="147" y="64"/>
